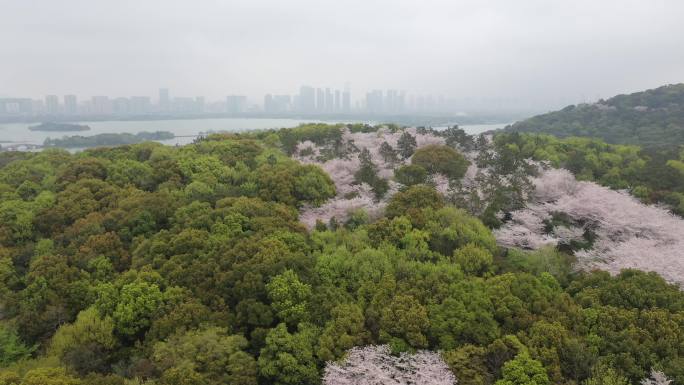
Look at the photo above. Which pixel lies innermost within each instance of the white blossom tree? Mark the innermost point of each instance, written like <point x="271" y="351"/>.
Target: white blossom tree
<point x="352" y="196"/>
<point x="374" y="365"/>
<point x="657" y="378"/>
<point x="628" y="233"/>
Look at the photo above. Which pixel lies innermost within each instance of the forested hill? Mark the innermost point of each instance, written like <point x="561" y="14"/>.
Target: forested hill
<point x="648" y="118"/>
<point x="335" y="254"/>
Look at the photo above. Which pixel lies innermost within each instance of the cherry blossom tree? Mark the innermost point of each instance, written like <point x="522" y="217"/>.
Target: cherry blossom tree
<point x="657" y="378"/>
<point x="351" y="196"/>
<point x="374" y="365"/>
<point x="628" y="233"/>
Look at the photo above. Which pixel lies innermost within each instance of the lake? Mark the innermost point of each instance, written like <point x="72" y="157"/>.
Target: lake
<point x="185" y="128"/>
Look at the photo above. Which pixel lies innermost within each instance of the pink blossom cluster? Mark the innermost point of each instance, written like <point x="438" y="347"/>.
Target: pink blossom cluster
<point x="629" y="233"/>
<point x="350" y="196"/>
<point x="340" y="207"/>
<point x="374" y="365"/>
<point x="657" y="378"/>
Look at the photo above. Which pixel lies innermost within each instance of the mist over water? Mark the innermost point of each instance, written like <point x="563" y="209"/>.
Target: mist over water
<point x="185" y="129"/>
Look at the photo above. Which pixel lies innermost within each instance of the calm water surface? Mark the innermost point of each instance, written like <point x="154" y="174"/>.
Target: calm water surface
<point x="185" y="128"/>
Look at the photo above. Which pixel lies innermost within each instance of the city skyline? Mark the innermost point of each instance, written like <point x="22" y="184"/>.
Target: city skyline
<point x="308" y="100"/>
<point x="527" y="50"/>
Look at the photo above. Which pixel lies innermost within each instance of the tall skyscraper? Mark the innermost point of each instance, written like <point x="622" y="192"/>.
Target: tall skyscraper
<point x="164" y="100"/>
<point x="268" y="103"/>
<point x="307" y="99"/>
<point x="329" y="101"/>
<point x="346" y="100"/>
<point x="140" y="105"/>
<point x="52" y="104"/>
<point x="277" y="103"/>
<point x="70" y="105"/>
<point x="236" y="104"/>
<point x="374" y="102"/>
<point x="320" y="100"/>
<point x="338" y="101"/>
<point x="121" y="106"/>
<point x="16" y="106"/>
<point x="101" y="105"/>
<point x="394" y="101"/>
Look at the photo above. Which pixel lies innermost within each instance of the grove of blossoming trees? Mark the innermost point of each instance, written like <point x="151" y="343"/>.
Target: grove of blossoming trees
<point x="657" y="378"/>
<point x="350" y="195"/>
<point x="191" y="265"/>
<point x="627" y="233"/>
<point x="375" y="365"/>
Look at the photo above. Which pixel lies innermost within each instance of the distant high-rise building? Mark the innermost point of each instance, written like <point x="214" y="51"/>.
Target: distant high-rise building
<point x="140" y="105"/>
<point x="329" y="100"/>
<point x="164" y="100"/>
<point x="346" y="101"/>
<point x="37" y="106"/>
<point x="236" y="104"/>
<point x="121" y="106"/>
<point x="16" y="106"/>
<point x="394" y="101"/>
<point x="307" y="99"/>
<point x="320" y="100"/>
<point x="268" y="103"/>
<point x="338" y="101"/>
<point x="70" y="105"/>
<point x="101" y="105"/>
<point x="277" y="103"/>
<point x="184" y="105"/>
<point x="52" y="104"/>
<point x="374" y="102"/>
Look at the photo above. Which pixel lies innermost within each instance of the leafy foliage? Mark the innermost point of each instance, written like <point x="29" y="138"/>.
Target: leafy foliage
<point x="652" y="117"/>
<point x="147" y="264"/>
<point x="11" y="347"/>
<point x="443" y="160"/>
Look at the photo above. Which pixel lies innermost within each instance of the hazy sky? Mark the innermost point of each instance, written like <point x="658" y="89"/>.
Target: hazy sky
<point x="532" y="50"/>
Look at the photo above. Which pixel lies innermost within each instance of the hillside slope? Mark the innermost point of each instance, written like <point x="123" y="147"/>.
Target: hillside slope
<point x="648" y="118"/>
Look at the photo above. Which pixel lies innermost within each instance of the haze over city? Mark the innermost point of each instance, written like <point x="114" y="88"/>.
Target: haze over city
<point x="532" y="55"/>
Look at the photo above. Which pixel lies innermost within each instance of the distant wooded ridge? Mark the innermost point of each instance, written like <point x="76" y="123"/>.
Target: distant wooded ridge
<point x="107" y="139"/>
<point x="649" y="118"/>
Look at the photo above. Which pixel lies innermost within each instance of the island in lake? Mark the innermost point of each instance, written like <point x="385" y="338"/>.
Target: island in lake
<point x="51" y="126"/>
<point x="78" y="141"/>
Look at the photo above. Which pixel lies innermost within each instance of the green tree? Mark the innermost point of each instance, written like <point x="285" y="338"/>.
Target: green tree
<point x="455" y="136"/>
<point x="49" y="376"/>
<point x="442" y="160"/>
<point x="214" y="356"/>
<point x="136" y="305"/>
<point x="368" y="173"/>
<point x="474" y="259"/>
<point x="469" y="364"/>
<point x="344" y="331"/>
<point x="289" y="297"/>
<point x="413" y="200"/>
<point x="12" y="349"/>
<point x="523" y="370"/>
<point x="389" y="154"/>
<point x="9" y="378"/>
<point x="603" y="374"/>
<point x="90" y="333"/>
<point x="404" y="321"/>
<point x="406" y="145"/>
<point x="410" y="174"/>
<point x="288" y="359"/>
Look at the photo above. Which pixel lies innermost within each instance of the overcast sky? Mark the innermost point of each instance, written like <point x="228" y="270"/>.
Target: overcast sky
<point x="538" y="51"/>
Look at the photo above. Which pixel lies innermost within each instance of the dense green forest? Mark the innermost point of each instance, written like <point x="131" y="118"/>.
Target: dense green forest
<point x="648" y="118"/>
<point x="146" y="264"/>
<point x="654" y="175"/>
